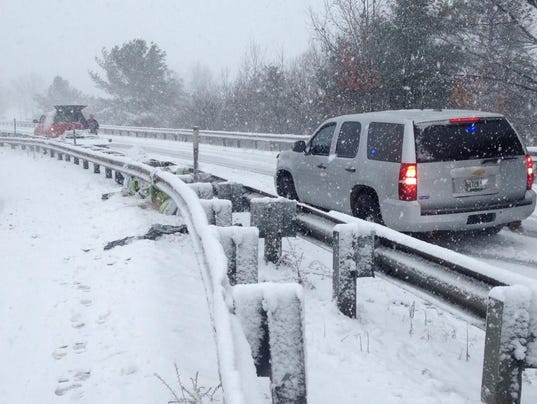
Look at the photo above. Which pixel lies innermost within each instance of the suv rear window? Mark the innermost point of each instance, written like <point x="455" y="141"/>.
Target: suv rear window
<point x="486" y="138"/>
<point x="385" y="141"/>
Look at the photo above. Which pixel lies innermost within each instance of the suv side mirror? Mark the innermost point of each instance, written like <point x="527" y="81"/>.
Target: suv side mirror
<point x="35" y="121"/>
<point x="299" y="146"/>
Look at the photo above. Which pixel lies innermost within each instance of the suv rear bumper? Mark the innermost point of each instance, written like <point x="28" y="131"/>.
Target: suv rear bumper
<point x="407" y="216"/>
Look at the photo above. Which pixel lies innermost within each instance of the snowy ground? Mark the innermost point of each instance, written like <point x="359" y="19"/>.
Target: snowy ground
<point x="80" y="324"/>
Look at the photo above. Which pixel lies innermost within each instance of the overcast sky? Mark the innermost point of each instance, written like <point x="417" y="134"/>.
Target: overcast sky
<point x="62" y="37"/>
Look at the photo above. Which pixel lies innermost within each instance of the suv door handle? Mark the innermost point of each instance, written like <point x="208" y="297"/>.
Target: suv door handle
<point x="350" y="169"/>
<point x="322" y="166"/>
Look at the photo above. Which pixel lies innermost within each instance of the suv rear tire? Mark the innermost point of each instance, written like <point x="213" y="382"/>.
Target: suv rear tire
<point x="285" y="186"/>
<point x="366" y="206"/>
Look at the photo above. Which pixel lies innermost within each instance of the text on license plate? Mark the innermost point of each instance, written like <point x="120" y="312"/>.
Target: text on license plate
<point x="475" y="184"/>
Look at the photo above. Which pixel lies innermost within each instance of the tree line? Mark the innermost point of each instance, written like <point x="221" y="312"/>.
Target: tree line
<point x="365" y="55"/>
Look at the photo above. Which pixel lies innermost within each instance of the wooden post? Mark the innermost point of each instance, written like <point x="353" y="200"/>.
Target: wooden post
<point x="233" y="192"/>
<point x="241" y="246"/>
<point x="275" y="218"/>
<point x="119" y="178"/>
<point x="85" y="164"/>
<point x="275" y="332"/>
<point x="352" y="258"/>
<point x="505" y="344"/>
<point x="218" y="211"/>
<point x="96" y="168"/>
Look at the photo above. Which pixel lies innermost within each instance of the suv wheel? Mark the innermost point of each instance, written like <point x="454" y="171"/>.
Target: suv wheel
<point x="286" y="187"/>
<point x="366" y="207"/>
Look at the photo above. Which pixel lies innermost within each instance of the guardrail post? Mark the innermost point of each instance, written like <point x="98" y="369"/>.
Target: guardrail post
<point x="241" y="245"/>
<point x="68" y="157"/>
<point x="60" y="156"/>
<point x="75" y="160"/>
<point x="85" y="164"/>
<point x="275" y="218"/>
<point x="275" y="332"/>
<point x="231" y="191"/>
<point x="218" y="211"/>
<point x="119" y="178"/>
<point x="196" y="148"/>
<point x="108" y="172"/>
<point x="203" y="190"/>
<point x="52" y="153"/>
<point x="23" y="146"/>
<point x="352" y="258"/>
<point x="505" y="344"/>
<point x="96" y="168"/>
<point x="13" y="146"/>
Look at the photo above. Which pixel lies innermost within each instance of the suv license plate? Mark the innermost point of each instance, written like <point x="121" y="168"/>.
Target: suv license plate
<point x="475" y="184"/>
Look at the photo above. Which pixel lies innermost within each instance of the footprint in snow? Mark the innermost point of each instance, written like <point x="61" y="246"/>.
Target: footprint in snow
<point x="79" y="347"/>
<point x="72" y="381"/>
<point x="60" y="352"/>
<point x="85" y="302"/>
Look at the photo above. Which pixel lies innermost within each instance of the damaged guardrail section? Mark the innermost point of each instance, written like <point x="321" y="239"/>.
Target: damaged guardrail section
<point x="259" y="328"/>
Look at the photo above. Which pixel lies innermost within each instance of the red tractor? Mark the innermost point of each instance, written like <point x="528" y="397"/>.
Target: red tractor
<point x="65" y="120"/>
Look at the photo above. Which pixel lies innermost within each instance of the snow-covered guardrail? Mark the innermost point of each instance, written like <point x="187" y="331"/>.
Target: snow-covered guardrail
<point x="507" y="301"/>
<point x="261" y="141"/>
<point x="243" y="316"/>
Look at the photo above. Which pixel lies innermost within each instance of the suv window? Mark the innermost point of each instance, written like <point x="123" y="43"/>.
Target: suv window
<point x="320" y="144"/>
<point x="385" y="141"/>
<point x="486" y="138"/>
<point x="348" y="139"/>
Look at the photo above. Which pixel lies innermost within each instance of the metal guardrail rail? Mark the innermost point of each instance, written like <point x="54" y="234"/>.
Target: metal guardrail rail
<point x="261" y="141"/>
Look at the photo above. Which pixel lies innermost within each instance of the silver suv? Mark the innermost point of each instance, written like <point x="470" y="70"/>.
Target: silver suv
<point x="414" y="170"/>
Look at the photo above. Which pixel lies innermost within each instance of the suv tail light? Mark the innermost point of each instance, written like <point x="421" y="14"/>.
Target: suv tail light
<point x="408" y="182"/>
<point x="529" y="169"/>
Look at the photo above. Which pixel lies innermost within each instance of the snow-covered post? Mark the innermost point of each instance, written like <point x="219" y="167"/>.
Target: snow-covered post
<point x="96" y="168"/>
<point x="352" y="258"/>
<point x="85" y="164"/>
<point x="275" y="218"/>
<point x="506" y="337"/>
<point x="51" y="153"/>
<point x="218" y="211"/>
<point x="271" y="315"/>
<point x="108" y="172"/>
<point x="68" y="158"/>
<point x="119" y="178"/>
<point x="203" y="190"/>
<point x="13" y="146"/>
<point x="196" y="148"/>
<point x="241" y="246"/>
<point x="231" y="191"/>
<point x="60" y="156"/>
<point x="23" y="146"/>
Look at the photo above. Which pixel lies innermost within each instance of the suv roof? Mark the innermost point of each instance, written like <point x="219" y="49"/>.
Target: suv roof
<point x="421" y="115"/>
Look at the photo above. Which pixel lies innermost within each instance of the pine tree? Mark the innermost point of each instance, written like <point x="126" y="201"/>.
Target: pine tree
<point x="143" y="90"/>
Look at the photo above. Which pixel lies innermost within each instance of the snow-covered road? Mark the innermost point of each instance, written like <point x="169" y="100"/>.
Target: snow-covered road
<point x="514" y="251"/>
